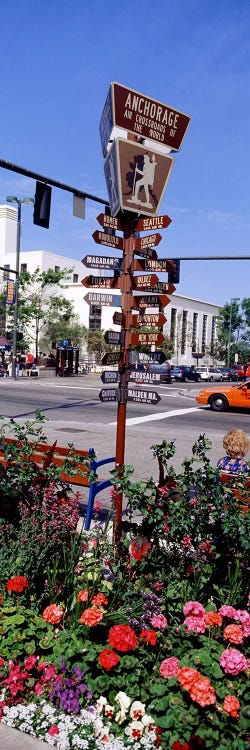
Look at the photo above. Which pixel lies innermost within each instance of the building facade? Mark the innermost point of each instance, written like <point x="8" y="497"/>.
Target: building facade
<point x="191" y="323"/>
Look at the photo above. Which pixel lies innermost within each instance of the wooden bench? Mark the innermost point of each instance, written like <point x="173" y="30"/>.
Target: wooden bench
<point x="76" y="467"/>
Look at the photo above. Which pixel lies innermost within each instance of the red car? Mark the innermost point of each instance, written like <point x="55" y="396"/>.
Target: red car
<point x="239" y="369"/>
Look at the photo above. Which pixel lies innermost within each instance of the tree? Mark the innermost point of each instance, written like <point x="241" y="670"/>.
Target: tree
<point x="233" y="330"/>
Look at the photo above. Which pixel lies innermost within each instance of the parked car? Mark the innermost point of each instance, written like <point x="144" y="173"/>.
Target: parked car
<point x="224" y="396"/>
<point x="239" y="369"/>
<point x="183" y="373"/>
<point x="228" y="373"/>
<point x="209" y="373"/>
<point x="164" y="370"/>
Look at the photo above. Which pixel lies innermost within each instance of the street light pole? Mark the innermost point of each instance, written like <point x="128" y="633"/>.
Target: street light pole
<point x="233" y="299"/>
<point x="18" y="201"/>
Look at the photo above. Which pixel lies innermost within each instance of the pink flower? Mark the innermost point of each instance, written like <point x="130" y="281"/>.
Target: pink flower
<point x="53" y="730"/>
<point x="30" y="662"/>
<point x="227" y="611"/>
<point x="242" y="615"/>
<point x="186" y="541"/>
<point x="233" y="661"/>
<point x="159" y="621"/>
<point x="158" y="586"/>
<point x="198" y="624"/>
<point x="169" y="667"/>
<point x="194" y="608"/>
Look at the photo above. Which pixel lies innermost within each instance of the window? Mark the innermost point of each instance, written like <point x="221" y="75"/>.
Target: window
<point x="204" y="333"/>
<point x="173" y="324"/>
<point x="213" y="330"/>
<point x="23" y="267"/>
<point x="95" y="317"/>
<point x="57" y="268"/>
<point x="75" y="278"/>
<point x="6" y="271"/>
<point x="184" y="332"/>
<point x="194" y="332"/>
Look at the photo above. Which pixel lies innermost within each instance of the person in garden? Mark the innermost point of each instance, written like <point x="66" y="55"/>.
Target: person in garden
<point x="236" y="445"/>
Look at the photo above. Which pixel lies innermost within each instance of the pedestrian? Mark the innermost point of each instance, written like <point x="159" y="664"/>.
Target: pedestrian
<point x="236" y="445"/>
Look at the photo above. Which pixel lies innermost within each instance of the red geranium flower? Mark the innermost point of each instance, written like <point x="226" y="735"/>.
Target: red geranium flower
<point x="1" y="599"/>
<point x="91" y="617"/>
<point x="108" y="659"/>
<point x="139" y="547"/>
<point x="99" y="600"/>
<point x="17" y="584"/>
<point x="122" y="637"/>
<point x="149" y="636"/>
<point x="53" y="614"/>
<point x="82" y="595"/>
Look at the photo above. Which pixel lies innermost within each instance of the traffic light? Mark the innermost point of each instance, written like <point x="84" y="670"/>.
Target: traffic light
<point x="174" y="276"/>
<point x="42" y="205"/>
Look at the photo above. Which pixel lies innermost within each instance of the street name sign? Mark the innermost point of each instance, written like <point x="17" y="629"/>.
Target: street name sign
<point x="139" y="114"/>
<point x="150" y="300"/>
<point x="105" y="300"/>
<point x="110" y="376"/>
<point x="103" y="238"/>
<point x="114" y="337"/>
<point x="103" y="282"/>
<point x="145" y="377"/>
<point x="151" y="240"/>
<point x="136" y="177"/>
<point x="146" y="281"/>
<point x="110" y="222"/>
<point x="153" y="319"/>
<point x="108" y="394"/>
<point x="163" y="287"/>
<point x="142" y="339"/>
<point x="97" y="261"/>
<point x="143" y="397"/>
<point x="147" y="223"/>
<point x="111" y="358"/>
<point x="154" y="264"/>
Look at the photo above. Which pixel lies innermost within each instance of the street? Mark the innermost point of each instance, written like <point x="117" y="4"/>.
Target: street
<point x="74" y="414"/>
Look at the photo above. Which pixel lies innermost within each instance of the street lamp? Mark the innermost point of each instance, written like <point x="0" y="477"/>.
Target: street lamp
<point x="233" y="299"/>
<point x="18" y="201"/>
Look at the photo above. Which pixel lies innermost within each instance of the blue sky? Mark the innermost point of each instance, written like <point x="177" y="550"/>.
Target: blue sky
<point x="57" y="61"/>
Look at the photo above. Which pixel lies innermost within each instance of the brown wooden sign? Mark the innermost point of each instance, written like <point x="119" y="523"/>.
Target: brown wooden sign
<point x="138" y="113"/>
<point x="97" y="261"/>
<point x="150" y="300"/>
<point x="110" y="222"/>
<point x="147" y="223"/>
<point x="145" y="339"/>
<point x="151" y="240"/>
<point x="143" y="397"/>
<point x="149" y="319"/>
<point x="102" y="238"/>
<point x="154" y="264"/>
<point x="146" y="281"/>
<point x="118" y="319"/>
<point x="162" y="287"/>
<point x="102" y="282"/>
<point x="148" y="253"/>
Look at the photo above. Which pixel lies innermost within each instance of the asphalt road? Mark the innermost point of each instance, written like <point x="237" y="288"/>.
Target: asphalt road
<point x="75" y="414"/>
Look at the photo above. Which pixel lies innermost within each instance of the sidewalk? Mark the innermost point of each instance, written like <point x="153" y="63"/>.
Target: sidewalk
<point x="12" y="739"/>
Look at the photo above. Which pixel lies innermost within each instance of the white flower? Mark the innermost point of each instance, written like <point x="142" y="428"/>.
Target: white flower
<point x="124" y="703"/>
<point x="108" y="711"/>
<point x="135" y="729"/>
<point x="100" y="704"/>
<point x="137" y="710"/>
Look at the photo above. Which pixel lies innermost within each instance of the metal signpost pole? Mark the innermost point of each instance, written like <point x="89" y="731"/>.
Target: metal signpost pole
<point x="15" y="326"/>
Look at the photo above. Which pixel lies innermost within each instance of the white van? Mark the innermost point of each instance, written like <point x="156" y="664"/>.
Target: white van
<point x="209" y="374"/>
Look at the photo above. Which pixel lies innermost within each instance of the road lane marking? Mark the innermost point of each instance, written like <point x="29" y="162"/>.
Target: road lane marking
<point x="160" y="415"/>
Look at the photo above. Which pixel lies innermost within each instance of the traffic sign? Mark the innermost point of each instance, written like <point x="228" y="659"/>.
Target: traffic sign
<point x="163" y="287"/>
<point x="103" y="282"/>
<point x="118" y="319"/>
<point x="145" y="377"/>
<point x="110" y="376"/>
<point x="114" y="337"/>
<point x="153" y="264"/>
<point x="139" y="114"/>
<point x="136" y="177"/>
<point x="110" y="222"/>
<point x="151" y="240"/>
<point x="108" y="394"/>
<point x="150" y="300"/>
<point x="147" y="223"/>
<point x="105" y="300"/>
<point x="102" y="238"/>
<point x="142" y="339"/>
<point x="153" y="319"/>
<point x="143" y="397"/>
<point x="97" y="261"/>
<point x="147" y="281"/>
<point x="111" y="358"/>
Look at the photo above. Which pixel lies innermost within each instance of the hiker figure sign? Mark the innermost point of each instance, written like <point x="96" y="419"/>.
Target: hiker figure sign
<point x="144" y="182"/>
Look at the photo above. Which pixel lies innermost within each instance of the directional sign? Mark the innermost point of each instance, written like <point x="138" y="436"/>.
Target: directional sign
<point x="145" y="377"/>
<point x="114" y="337"/>
<point x="110" y="376"/>
<point x="103" y="282"/>
<point x="136" y="177"/>
<point x="153" y="319"/>
<point x="150" y="300"/>
<point x="147" y="223"/>
<point x="147" y="281"/>
<point x="163" y="287"/>
<point x="106" y="300"/>
<point x="110" y="222"/>
<point x="151" y="240"/>
<point x="97" y="261"/>
<point x="152" y="264"/>
<point x="118" y="319"/>
<point x="102" y="238"/>
<point x="142" y="339"/>
<point x="143" y="397"/>
<point x="147" y="253"/>
<point x="108" y="394"/>
<point x="111" y="358"/>
<point x="137" y="113"/>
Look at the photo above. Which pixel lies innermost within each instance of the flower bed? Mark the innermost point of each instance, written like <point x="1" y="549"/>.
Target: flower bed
<point x="141" y="645"/>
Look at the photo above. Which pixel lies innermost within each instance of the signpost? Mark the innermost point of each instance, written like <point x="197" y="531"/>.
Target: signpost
<point x="151" y="240"/>
<point x="111" y="358"/>
<point x="147" y="223"/>
<point x="114" y="337"/>
<point x="145" y="377"/>
<point x="105" y="300"/>
<point x="110" y="376"/>
<point x="118" y="319"/>
<point x="149" y="319"/>
<point x="150" y="300"/>
<point x="163" y="287"/>
<point x="110" y="222"/>
<point x="148" y="253"/>
<point x="143" y="116"/>
<point x="97" y="261"/>
<point x="108" y="394"/>
<point x="147" y="281"/>
<point x="102" y="238"/>
<point x="143" y="397"/>
<point x="103" y="282"/>
<point x="142" y="339"/>
<point x="151" y="264"/>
